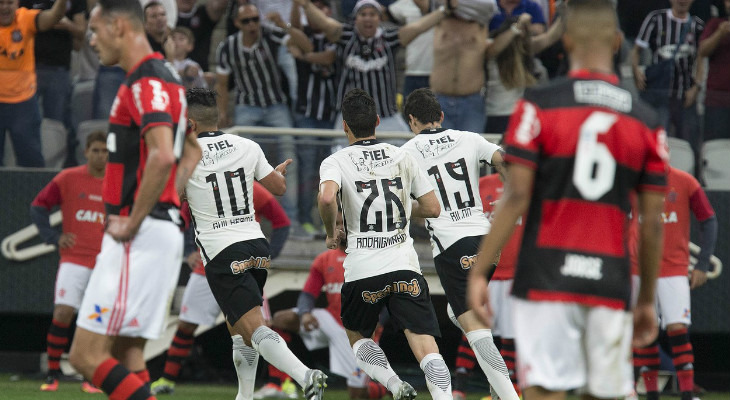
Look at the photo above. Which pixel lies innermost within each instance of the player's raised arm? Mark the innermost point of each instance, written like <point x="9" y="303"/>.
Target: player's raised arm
<point x="275" y="182"/>
<point x="426" y="206"/>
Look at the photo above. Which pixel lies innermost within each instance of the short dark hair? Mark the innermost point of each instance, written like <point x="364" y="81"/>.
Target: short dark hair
<point x="358" y="110"/>
<point x="149" y="5"/>
<point x="186" y="32"/>
<point x="423" y="105"/>
<point x="131" y="8"/>
<point x="202" y="106"/>
<point x="96" y="136"/>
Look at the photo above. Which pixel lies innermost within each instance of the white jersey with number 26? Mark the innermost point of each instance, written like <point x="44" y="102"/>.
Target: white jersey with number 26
<point x="377" y="182"/>
<point x="220" y="191"/>
<point x="451" y="159"/>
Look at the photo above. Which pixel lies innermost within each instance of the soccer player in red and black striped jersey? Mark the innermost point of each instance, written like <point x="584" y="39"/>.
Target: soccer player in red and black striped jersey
<point x="577" y="148"/>
<point x="151" y="157"/>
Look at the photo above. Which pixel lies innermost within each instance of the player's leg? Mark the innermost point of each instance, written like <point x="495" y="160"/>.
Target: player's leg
<point x="674" y="305"/>
<point x="130" y="353"/>
<point x="91" y="356"/>
<point x="503" y="325"/>
<point x="549" y="365"/>
<point x="101" y="313"/>
<point x="71" y="281"/>
<point x="360" y="318"/>
<point x="239" y="296"/>
<point x="452" y="267"/>
<point x="606" y="343"/>
<point x="198" y="307"/>
<point x="412" y="311"/>
<point x="245" y="360"/>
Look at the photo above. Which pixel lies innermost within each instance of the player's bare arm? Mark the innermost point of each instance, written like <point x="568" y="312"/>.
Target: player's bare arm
<point x="48" y="18"/>
<point x="327" y="204"/>
<point x="221" y="87"/>
<point x="160" y="160"/>
<point x="651" y="205"/>
<point x="499" y="165"/>
<point x="515" y="201"/>
<point x="407" y="33"/>
<point x="426" y="206"/>
<point x="275" y="182"/>
<point x="317" y="19"/>
<point x="192" y="153"/>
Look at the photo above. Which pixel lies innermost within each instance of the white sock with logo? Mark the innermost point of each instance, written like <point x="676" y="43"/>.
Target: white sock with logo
<point x="491" y="362"/>
<point x="274" y="350"/>
<point x="438" y="378"/>
<point x="245" y="359"/>
<point x="371" y="359"/>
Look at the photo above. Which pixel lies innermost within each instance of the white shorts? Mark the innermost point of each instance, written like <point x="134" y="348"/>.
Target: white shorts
<point x="501" y="301"/>
<point x="563" y="346"/>
<point x="131" y="287"/>
<point x="342" y="358"/>
<point x="198" y="304"/>
<point x="673" y="300"/>
<point x="71" y="281"/>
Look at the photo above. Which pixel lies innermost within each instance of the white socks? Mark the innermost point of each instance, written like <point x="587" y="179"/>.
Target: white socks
<point x="438" y="378"/>
<point x="274" y="350"/>
<point x="245" y="359"/>
<point x="491" y="362"/>
<point x="371" y="359"/>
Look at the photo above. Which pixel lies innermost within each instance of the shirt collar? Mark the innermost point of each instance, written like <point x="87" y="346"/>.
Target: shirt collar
<point x="431" y="131"/>
<point x="365" y="142"/>
<point x="586" y="74"/>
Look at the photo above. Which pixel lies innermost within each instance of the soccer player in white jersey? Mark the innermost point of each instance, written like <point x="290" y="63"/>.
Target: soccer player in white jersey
<point x="233" y="248"/>
<point x="452" y="159"/>
<point x="375" y="182"/>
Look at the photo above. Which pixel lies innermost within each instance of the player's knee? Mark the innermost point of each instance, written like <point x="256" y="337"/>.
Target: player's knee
<point x="187" y="327"/>
<point x="676" y="326"/>
<point x="63" y="314"/>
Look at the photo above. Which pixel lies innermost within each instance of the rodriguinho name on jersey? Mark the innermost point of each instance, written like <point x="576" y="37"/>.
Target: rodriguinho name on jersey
<point x="233" y="221"/>
<point x="412" y="288"/>
<point x="380" y="242"/>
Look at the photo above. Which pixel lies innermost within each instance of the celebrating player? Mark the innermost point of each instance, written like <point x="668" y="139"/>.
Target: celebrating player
<point x="375" y="182"/>
<point x="198" y="304"/>
<point x="452" y="159"/>
<point x="150" y="159"/>
<point x="235" y="253"/>
<point x="77" y="191"/>
<point x="577" y="148"/>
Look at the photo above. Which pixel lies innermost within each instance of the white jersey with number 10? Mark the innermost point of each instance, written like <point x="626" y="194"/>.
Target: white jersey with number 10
<point x="220" y="191"/>
<point x="451" y="158"/>
<point x="377" y="182"/>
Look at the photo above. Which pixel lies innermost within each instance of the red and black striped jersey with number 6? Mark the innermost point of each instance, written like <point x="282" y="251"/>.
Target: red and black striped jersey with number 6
<point x="591" y="143"/>
<point x="151" y="96"/>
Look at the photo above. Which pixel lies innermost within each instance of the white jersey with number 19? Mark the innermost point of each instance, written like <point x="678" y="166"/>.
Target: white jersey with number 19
<point x="451" y="158"/>
<point x="220" y="191"/>
<point x="377" y="182"/>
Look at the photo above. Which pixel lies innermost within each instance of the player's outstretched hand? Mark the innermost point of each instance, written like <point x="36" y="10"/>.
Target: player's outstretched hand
<point x="697" y="278"/>
<point x="309" y="323"/>
<point x="477" y="298"/>
<point x="281" y="168"/>
<point x="66" y="240"/>
<point x="120" y="228"/>
<point x="645" y="325"/>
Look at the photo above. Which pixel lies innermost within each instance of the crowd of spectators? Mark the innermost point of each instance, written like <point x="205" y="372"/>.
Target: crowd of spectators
<point x="287" y="63"/>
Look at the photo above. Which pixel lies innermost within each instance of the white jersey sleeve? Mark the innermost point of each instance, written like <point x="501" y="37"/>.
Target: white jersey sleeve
<point x="329" y="171"/>
<point x="420" y="184"/>
<point x="220" y="192"/>
<point x="450" y="160"/>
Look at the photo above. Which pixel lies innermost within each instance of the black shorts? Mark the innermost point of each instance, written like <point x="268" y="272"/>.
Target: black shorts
<point x="404" y="293"/>
<point x="453" y="265"/>
<point x="237" y="276"/>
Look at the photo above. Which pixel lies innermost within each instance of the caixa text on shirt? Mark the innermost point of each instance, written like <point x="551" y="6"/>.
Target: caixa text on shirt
<point x="412" y="288"/>
<point x="239" y="267"/>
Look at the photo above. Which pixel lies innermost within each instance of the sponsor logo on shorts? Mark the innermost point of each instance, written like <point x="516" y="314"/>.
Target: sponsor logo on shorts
<point x="98" y="313"/>
<point x="61" y="292"/>
<point x="238" y="267"/>
<point x="412" y="288"/>
<point x="578" y="266"/>
<point x="134" y="323"/>
<point x="687" y="313"/>
<point x="467" y="262"/>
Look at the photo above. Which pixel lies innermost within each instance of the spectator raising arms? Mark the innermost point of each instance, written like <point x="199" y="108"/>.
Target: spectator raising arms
<point x="19" y="111"/>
